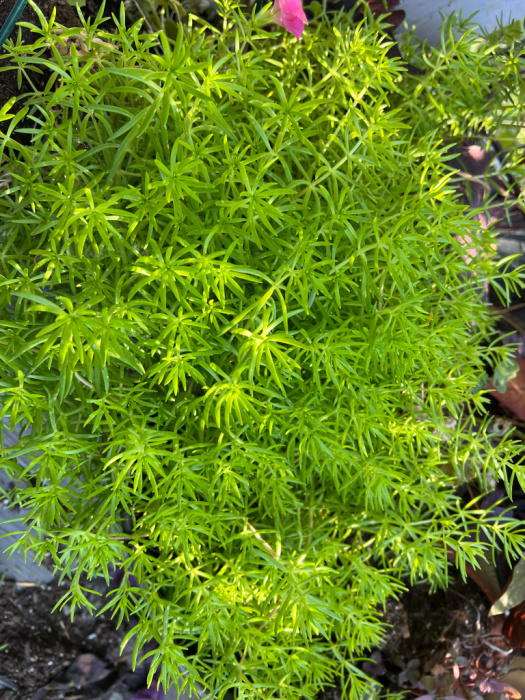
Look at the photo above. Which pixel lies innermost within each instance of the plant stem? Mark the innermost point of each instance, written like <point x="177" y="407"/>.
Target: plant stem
<point x="11" y="20"/>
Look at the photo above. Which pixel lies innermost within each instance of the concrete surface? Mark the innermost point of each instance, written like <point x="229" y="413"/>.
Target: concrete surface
<point x="16" y="567"/>
<point x="426" y="14"/>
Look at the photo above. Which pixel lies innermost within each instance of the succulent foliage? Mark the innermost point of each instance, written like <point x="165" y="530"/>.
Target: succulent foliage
<point x="237" y="314"/>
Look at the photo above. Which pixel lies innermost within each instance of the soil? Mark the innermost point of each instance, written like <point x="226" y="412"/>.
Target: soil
<point x="424" y="624"/>
<point x="38" y="645"/>
<point x="43" y="651"/>
<point x="443" y="644"/>
<point x="64" y="14"/>
<point x="46" y="654"/>
<point x="111" y="7"/>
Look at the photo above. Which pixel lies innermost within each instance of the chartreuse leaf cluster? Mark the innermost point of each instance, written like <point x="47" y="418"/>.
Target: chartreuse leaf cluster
<point x="237" y="318"/>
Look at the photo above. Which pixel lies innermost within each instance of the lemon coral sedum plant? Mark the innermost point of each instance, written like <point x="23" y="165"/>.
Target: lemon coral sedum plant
<point x="235" y="313"/>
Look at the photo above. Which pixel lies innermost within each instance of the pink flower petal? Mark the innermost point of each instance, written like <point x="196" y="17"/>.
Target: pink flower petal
<point x="294" y="25"/>
<point x="290" y="15"/>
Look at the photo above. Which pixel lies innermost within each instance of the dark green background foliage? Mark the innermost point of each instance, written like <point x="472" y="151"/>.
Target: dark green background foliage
<point x="237" y="317"/>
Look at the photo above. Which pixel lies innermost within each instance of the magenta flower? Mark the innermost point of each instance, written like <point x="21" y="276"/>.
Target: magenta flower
<point x="290" y="15"/>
